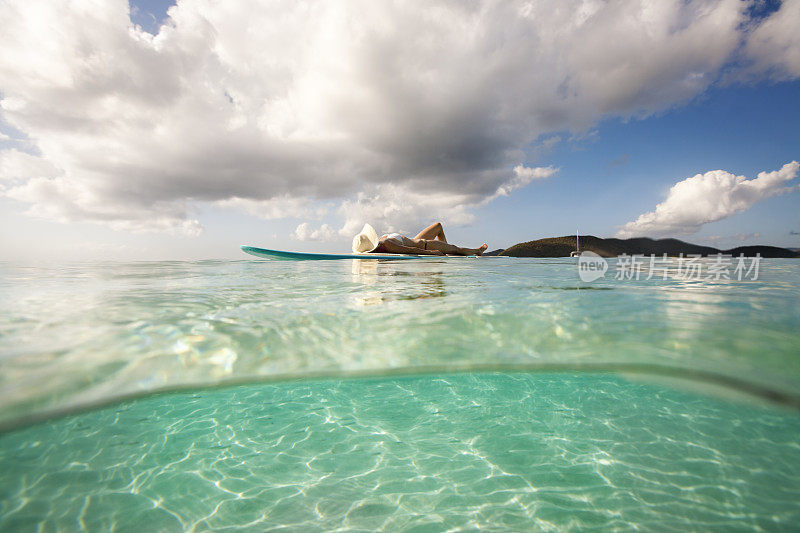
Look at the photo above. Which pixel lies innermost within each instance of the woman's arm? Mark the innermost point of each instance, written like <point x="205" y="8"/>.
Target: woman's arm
<point x="394" y="248"/>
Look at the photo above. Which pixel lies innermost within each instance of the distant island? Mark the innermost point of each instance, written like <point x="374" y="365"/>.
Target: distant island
<point x="563" y="246"/>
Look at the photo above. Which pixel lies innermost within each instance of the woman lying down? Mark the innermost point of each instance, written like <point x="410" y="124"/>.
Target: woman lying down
<point x="430" y="241"/>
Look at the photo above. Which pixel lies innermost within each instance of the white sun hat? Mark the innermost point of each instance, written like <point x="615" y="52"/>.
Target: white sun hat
<point x="366" y="240"/>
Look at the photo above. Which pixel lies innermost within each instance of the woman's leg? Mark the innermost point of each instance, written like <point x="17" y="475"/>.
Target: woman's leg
<point x="434" y="231"/>
<point x="452" y="249"/>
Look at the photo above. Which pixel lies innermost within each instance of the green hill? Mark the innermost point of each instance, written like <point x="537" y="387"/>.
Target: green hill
<point x="563" y="246"/>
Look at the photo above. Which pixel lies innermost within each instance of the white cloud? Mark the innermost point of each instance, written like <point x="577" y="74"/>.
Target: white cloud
<point x="51" y="194"/>
<point x="281" y="207"/>
<point x="276" y="107"/>
<point x="736" y="238"/>
<point x="390" y="207"/>
<point x="774" y="46"/>
<point x="304" y="232"/>
<point x="18" y="167"/>
<point x="742" y="237"/>
<point x="61" y="200"/>
<point x="708" y="197"/>
<point x="522" y="177"/>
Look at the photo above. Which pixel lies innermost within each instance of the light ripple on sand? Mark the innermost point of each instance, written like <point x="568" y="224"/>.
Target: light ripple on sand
<point x="499" y="451"/>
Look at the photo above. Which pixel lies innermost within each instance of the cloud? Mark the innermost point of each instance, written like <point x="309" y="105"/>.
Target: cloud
<point x="52" y="195"/>
<point x="59" y="199"/>
<point x="716" y="240"/>
<point x="619" y="161"/>
<point x="742" y="237"/>
<point x="406" y="209"/>
<point x="275" y="208"/>
<point x="275" y="107"/>
<point x="708" y="197"/>
<point x="390" y="207"/>
<point x="303" y="232"/>
<point x="522" y="177"/>
<point x="17" y="168"/>
<point x="541" y="149"/>
<point x="774" y="45"/>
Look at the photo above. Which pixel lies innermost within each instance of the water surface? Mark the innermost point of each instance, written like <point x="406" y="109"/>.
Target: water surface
<point x="501" y="394"/>
<point x="79" y="334"/>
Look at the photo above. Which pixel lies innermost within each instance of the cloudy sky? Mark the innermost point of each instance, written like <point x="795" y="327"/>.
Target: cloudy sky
<point x="158" y="131"/>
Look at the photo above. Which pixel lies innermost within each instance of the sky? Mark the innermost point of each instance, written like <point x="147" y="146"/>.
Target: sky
<point x="157" y="131"/>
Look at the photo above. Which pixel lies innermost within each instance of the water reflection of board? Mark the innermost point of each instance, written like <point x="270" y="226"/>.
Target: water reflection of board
<point x="285" y="255"/>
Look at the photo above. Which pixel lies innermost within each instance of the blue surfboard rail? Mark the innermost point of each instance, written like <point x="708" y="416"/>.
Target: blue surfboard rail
<point x="285" y="255"/>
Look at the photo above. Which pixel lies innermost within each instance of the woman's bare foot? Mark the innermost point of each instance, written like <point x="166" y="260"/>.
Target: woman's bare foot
<point x="481" y="249"/>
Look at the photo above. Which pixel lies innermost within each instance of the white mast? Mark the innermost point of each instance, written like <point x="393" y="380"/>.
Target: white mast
<point x="577" y="251"/>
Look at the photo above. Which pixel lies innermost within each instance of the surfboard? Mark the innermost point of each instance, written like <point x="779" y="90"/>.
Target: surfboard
<point x="294" y="256"/>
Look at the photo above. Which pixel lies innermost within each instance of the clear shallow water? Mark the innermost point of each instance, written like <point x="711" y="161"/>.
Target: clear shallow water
<point x="429" y="453"/>
<point x="433" y="452"/>
<point x="80" y="334"/>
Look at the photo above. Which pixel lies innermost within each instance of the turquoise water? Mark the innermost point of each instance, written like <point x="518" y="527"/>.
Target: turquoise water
<point x="448" y="452"/>
<point x="504" y="394"/>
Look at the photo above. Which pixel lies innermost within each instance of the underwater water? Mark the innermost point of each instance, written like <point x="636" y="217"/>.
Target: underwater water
<point x="426" y="395"/>
<point x="427" y="453"/>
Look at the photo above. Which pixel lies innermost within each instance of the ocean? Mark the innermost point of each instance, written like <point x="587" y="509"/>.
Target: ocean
<point x="415" y="395"/>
